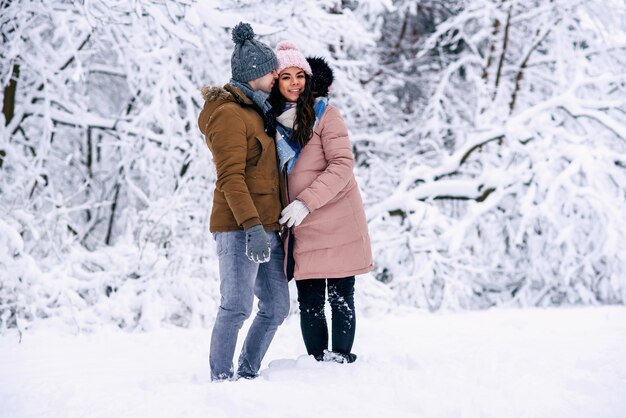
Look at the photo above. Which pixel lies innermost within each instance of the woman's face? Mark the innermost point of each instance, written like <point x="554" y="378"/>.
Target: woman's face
<point x="291" y="83"/>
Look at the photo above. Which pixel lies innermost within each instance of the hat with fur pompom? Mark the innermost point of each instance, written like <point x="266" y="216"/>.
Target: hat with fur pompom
<point x="290" y="56"/>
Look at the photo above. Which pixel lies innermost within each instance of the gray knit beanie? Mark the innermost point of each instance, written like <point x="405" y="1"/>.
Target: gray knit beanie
<point x="251" y="59"/>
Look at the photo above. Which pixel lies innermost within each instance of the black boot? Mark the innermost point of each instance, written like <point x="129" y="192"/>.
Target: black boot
<point x="338" y="357"/>
<point x="319" y="357"/>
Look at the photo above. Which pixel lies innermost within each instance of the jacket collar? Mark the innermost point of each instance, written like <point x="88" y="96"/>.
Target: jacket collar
<point x="238" y="94"/>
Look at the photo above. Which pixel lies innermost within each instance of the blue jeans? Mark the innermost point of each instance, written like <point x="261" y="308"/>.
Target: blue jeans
<point x="240" y="280"/>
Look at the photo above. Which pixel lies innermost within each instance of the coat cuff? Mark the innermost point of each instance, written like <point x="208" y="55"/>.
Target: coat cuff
<point x="251" y="222"/>
<point x="307" y="197"/>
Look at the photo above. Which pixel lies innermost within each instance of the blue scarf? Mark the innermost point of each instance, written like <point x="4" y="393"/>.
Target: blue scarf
<point x="257" y="96"/>
<point x="288" y="148"/>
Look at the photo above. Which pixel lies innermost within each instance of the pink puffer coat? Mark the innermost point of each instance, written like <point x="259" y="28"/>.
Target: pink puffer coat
<point x="332" y="241"/>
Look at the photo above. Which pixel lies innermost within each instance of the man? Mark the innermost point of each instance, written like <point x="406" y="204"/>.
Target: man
<point x="246" y="208"/>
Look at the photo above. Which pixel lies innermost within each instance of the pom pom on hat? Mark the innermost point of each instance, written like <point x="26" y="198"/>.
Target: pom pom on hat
<point x="285" y="46"/>
<point x="242" y="32"/>
<point x="290" y="56"/>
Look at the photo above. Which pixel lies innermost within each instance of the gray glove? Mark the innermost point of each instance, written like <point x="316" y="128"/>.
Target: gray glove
<point x="257" y="244"/>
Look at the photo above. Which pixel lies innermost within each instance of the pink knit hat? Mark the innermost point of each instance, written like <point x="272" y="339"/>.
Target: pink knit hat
<point x="289" y="56"/>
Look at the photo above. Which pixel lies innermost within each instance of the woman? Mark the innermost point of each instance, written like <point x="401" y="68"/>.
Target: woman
<point x="328" y="240"/>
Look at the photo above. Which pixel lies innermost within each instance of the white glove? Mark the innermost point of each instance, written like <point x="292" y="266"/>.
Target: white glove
<point x="293" y="214"/>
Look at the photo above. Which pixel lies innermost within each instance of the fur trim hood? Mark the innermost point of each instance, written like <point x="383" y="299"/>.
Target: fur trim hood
<point x="211" y="94"/>
<point x="216" y="97"/>
<point x="323" y="76"/>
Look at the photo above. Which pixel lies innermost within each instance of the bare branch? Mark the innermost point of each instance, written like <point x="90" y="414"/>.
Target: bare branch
<point x="520" y="74"/>
<point x="505" y="42"/>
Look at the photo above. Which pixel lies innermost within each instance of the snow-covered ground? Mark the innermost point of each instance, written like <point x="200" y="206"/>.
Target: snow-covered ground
<point x="499" y="363"/>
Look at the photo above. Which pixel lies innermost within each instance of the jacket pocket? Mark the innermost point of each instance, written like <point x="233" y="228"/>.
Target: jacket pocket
<point x="254" y="152"/>
<point x="262" y="186"/>
<point x="258" y="149"/>
<point x="326" y="229"/>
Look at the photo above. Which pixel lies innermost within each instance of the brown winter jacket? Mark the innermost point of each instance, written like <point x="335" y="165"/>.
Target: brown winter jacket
<point x="247" y="187"/>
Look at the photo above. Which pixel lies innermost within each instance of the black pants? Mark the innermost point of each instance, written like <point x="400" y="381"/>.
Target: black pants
<point x="311" y="298"/>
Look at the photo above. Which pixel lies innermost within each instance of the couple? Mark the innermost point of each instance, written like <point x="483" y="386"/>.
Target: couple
<point x="277" y="142"/>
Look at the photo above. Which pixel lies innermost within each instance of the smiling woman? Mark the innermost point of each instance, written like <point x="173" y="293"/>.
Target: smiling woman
<point x="294" y="90"/>
<point x="327" y="243"/>
<point x="291" y="83"/>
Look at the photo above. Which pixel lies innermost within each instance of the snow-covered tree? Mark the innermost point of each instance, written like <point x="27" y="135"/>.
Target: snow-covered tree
<point x="105" y="180"/>
<point x="504" y="177"/>
<point x="98" y="140"/>
<point x="489" y="137"/>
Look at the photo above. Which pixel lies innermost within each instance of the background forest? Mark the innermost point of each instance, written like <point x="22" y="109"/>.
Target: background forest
<point x="489" y="135"/>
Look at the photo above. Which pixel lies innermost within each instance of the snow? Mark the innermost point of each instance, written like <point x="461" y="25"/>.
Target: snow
<point x="496" y="363"/>
<point x="106" y="188"/>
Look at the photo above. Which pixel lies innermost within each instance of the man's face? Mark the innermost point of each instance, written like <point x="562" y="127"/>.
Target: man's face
<point x="264" y="83"/>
